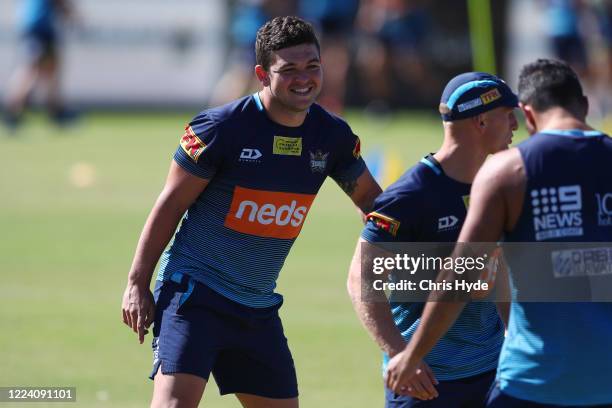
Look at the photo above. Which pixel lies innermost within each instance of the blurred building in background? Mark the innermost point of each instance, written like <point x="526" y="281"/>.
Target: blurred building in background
<point x="133" y="52"/>
<point x="379" y="54"/>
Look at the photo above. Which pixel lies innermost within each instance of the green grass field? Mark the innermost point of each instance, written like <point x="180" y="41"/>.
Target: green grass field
<point x="65" y="251"/>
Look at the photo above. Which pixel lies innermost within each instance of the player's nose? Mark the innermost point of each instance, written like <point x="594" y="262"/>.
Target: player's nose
<point x="302" y="76"/>
<point x="513" y="122"/>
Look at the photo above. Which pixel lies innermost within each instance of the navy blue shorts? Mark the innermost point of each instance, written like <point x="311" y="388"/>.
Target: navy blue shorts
<point x="198" y="331"/>
<point x="499" y="399"/>
<point x="39" y="45"/>
<point x="470" y="392"/>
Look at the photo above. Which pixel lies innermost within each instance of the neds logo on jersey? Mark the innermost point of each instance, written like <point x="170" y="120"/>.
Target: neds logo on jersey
<point x="557" y="212"/>
<point x="268" y="213"/>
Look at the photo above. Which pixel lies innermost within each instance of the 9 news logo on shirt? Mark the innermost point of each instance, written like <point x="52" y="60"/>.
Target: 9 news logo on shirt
<point x="557" y="212"/>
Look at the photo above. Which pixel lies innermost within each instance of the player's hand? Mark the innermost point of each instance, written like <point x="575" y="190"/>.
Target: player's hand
<point x="138" y="309"/>
<point x="408" y="376"/>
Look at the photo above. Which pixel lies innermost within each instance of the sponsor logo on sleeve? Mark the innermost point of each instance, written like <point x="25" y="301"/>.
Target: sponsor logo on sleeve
<point x="557" y="212"/>
<point x="384" y="222"/>
<point x="287" y="146"/>
<point x="192" y="144"/>
<point x="268" y="213"/>
<point x="357" y="148"/>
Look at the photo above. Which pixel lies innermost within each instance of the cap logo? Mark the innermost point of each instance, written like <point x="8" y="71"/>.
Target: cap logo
<point x="490" y="96"/>
<point x="474" y="97"/>
<point x="469" y="104"/>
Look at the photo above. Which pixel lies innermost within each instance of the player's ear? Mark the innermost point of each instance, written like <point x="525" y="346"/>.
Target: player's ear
<point x="262" y="75"/>
<point x="480" y="122"/>
<point x="530" y="120"/>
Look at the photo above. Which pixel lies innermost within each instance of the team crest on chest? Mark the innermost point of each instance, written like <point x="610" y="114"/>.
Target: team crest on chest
<point x="318" y="161"/>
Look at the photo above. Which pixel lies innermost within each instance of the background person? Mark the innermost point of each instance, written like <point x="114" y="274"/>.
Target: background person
<point x="39" y="25"/>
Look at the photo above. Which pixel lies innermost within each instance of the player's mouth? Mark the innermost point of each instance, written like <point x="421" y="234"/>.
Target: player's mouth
<point x="302" y="91"/>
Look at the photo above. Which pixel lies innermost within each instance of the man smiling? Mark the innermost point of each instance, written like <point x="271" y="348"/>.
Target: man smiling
<point x="246" y="173"/>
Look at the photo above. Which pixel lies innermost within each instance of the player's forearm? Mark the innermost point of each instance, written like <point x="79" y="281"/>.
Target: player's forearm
<point x="157" y="232"/>
<point x="362" y="191"/>
<point x="374" y="313"/>
<point x="366" y="203"/>
<point x="377" y="320"/>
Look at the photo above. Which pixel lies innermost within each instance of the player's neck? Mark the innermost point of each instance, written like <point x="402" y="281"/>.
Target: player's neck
<point x="460" y="162"/>
<point x="280" y="113"/>
<point x="559" y="119"/>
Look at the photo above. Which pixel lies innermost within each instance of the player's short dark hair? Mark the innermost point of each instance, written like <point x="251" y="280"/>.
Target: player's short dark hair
<point x="279" y="33"/>
<point x="548" y="83"/>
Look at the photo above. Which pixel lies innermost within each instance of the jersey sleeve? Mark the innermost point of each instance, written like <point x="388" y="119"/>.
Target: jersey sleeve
<point x="349" y="164"/>
<point x="200" y="151"/>
<point x="393" y="219"/>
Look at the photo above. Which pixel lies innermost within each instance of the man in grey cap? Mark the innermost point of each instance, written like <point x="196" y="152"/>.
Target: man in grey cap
<point x="429" y="204"/>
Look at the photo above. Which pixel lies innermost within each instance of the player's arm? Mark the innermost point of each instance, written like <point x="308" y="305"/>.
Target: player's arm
<point x="371" y="306"/>
<point x="373" y="310"/>
<point x="502" y="287"/>
<point x="180" y="191"/>
<point x="351" y="173"/>
<point x="496" y="276"/>
<point x="362" y="190"/>
<point x="494" y="206"/>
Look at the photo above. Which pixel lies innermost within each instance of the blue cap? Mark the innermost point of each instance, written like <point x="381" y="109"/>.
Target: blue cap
<point x="473" y="93"/>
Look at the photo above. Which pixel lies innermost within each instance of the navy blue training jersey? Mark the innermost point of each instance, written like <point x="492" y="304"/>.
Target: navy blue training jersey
<point x="425" y="205"/>
<point x="263" y="180"/>
<point x="560" y="353"/>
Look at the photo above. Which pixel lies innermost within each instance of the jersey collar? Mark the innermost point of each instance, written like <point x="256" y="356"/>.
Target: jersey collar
<point x="573" y="132"/>
<point x="431" y="162"/>
<point x="260" y="106"/>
